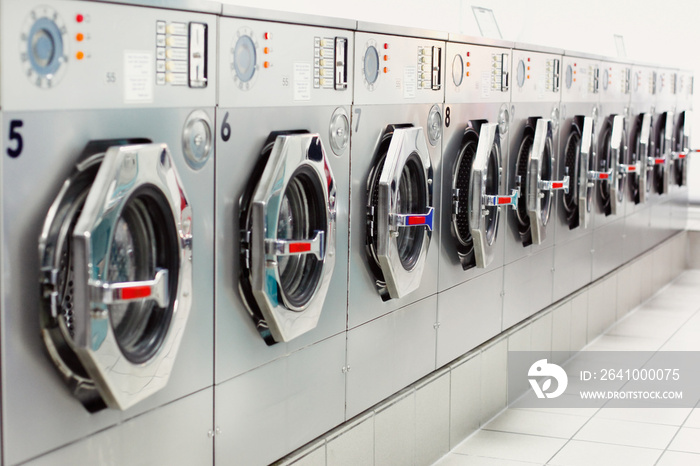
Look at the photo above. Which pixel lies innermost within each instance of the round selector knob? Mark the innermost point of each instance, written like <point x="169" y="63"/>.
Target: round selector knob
<point x="43" y="50"/>
<point x="244" y="60"/>
<point x="371" y="65"/>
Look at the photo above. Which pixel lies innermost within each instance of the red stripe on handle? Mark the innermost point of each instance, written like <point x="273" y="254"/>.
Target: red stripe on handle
<point x="295" y="248"/>
<point x="416" y="220"/>
<point x="603" y="176"/>
<point x="681" y="156"/>
<point x="557" y="185"/>
<point x="632" y="168"/>
<point x="659" y="161"/>
<point x="136" y="292"/>
<point x="503" y="200"/>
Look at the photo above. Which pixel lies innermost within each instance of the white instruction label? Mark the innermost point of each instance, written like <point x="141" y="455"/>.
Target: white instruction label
<point x="138" y="76"/>
<point x="410" y="77"/>
<point x="302" y="81"/>
<point x="485" y="85"/>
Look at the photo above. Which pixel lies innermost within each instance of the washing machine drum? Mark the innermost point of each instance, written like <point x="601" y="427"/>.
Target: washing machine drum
<point x="638" y="155"/>
<point x="577" y="162"/>
<point x="400" y="210"/>
<point x="116" y="263"/>
<point x="476" y="177"/>
<point x="287" y="222"/>
<point x="611" y="157"/>
<point x="659" y="175"/>
<point x="534" y="169"/>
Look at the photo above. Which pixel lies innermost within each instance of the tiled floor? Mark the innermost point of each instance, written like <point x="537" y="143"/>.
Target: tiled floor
<point x="669" y="321"/>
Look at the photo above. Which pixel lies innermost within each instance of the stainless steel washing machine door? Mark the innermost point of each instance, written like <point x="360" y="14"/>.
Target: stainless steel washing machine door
<point x="116" y="255"/>
<point x="659" y="161"/>
<point x="288" y="243"/>
<point x="535" y="170"/>
<point x="639" y="154"/>
<point x="681" y="148"/>
<point x="400" y="211"/>
<point x="577" y="159"/>
<point x="476" y="177"/>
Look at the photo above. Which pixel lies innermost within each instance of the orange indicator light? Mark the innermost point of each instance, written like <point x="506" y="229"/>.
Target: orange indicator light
<point x="80" y="55"/>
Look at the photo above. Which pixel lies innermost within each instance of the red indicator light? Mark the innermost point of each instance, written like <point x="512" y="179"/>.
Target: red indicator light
<point x="296" y="248"/>
<point x="416" y="220"/>
<point x="574" y="64"/>
<point x="79" y="18"/>
<point x="386" y="46"/>
<point x="557" y="185"/>
<point x="503" y="200"/>
<point x="469" y="54"/>
<point x="266" y="36"/>
<point x="136" y="292"/>
<point x="528" y="58"/>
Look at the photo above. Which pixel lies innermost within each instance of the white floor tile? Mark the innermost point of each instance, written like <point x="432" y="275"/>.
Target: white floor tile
<point x="537" y="423"/>
<point x="661" y="415"/>
<point x="687" y="440"/>
<point x="676" y="458"/>
<point x="577" y="453"/>
<point x="455" y="459"/>
<point x="634" y="434"/>
<point x="694" y="419"/>
<point x="516" y="447"/>
<point x="625" y="343"/>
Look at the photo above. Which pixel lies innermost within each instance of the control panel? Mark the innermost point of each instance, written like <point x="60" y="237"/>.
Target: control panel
<point x="685" y="84"/>
<point x="275" y="64"/>
<point x="71" y="55"/>
<point x="666" y="87"/>
<point x="394" y="69"/>
<point x="577" y="79"/>
<point x="537" y="76"/>
<point x="615" y="82"/>
<point x="477" y="74"/>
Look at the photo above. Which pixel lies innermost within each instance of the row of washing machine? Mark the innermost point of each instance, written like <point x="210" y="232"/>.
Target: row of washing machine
<point x="277" y="221"/>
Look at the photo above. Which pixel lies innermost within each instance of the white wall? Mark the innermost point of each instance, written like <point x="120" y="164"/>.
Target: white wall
<point x="655" y="31"/>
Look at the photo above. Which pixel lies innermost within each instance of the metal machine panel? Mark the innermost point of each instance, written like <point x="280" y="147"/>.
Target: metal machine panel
<point x="527" y="285"/>
<point x="401" y="350"/>
<point x="368" y="125"/>
<point x="266" y="64"/>
<point x="102" y="67"/>
<point x="474" y="94"/>
<point x="637" y="234"/>
<point x="468" y="315"/>
<point x="49" y="156"/>
<point x="607" y="247"/>
<point x="572" y="265"/>
<point x="157" y="437"/>
<point x="93" y="82"/>
<point x="392" y="70"/>
<point x="239" y="347"/>
<point x="264" y="414"/>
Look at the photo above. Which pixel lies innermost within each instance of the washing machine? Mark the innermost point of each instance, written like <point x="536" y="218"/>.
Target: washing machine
<point x="107" y="221"/>
<point x="612" y="159"/>
<point x="396" y="144"/>
<point x="682" y="150"/>
<point x="474" y="198"/>
<point x="661" y="148"/>
<point x="639" y="187"/>
<point x="573" y="225"/>
<point x="282" y="189"/>
<point x="534" y="140"/>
